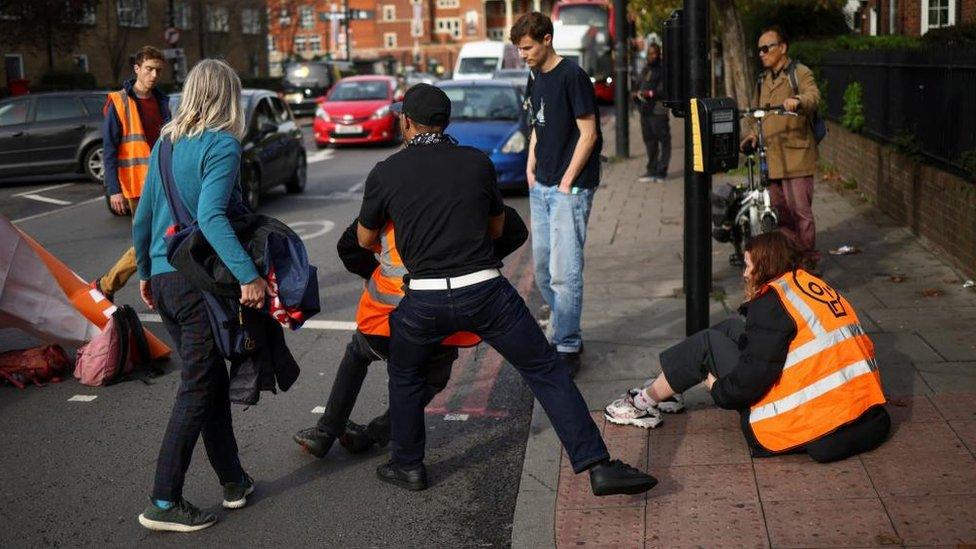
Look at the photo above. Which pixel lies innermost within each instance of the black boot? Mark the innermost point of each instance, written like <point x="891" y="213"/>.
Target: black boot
<point x="411" y="479"/>
<point x="379" y="429"/>
<point x="356" y="438"/>
<point x="315" y="441"/>
<point x="616" y="477"/>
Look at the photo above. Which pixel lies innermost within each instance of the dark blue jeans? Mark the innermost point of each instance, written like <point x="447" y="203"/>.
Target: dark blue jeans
<point x="495" y="311"/>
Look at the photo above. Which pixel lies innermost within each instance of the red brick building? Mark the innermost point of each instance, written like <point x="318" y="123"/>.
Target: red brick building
<point x="913" y="17"/>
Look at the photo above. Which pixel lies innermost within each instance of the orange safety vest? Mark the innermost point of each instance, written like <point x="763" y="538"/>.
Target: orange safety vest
<point x="830" y="376"/>
<point x="134" y="150"/>
<point x="383" y="293"/>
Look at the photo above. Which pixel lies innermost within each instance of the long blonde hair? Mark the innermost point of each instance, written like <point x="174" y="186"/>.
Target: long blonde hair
<point x="211" y="101"/>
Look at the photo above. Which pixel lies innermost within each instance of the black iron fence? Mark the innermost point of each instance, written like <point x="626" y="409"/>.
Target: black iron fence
<point x="922" y="101"/>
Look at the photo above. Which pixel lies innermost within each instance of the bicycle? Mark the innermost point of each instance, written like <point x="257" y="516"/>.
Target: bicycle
<point x="745" y="211"/>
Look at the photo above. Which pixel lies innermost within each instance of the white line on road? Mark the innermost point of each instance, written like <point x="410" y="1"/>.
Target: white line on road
<point x="82" y="398"/>
<point x="318" y="410"/>
<point x="338" y="195"/>
<point x="40" y="198"/>
<point x="456" y="417"/>
<point x="338" y="325"/>
<point x="45" y="214"/>
<point x="357" y="187"/>
<point x="45" y="189"/>
<point x="320" y="156"/>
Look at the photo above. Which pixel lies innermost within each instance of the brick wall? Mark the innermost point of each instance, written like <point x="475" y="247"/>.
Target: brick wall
<point x="934" y="204"/>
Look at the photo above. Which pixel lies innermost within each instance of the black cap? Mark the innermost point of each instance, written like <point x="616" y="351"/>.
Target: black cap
<point x="425" y="104"/>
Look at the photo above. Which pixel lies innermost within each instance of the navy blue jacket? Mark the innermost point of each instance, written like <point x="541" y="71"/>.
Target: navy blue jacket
<point x="112" y="135"/>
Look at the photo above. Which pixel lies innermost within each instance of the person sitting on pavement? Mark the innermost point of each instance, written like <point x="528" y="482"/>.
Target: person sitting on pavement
<point x="800" y="369"/>
<point x="384" y="271"/>
<point x="444" y="236"/>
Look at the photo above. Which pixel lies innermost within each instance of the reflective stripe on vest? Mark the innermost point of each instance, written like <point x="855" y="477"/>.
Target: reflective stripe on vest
<point x="133" y="151"/>
<point x="830" y="376"/>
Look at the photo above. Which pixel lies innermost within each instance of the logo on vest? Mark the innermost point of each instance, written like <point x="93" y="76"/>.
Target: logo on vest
<point x="826" y="295"/>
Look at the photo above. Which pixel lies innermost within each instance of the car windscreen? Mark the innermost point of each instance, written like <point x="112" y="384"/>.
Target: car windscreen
<point x="593" y="16"/>
<point x="307" y="75"/>
<point x="174" y="103"/>
<point x="483" y="102"/>
<point x="360" y="91"/>
<point x="478" y="64"/>
<point x="13" y="112"/>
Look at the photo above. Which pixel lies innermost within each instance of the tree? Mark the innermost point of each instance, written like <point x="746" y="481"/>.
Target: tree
<point x="115" y="37"/>
<point x="50" y="25"/>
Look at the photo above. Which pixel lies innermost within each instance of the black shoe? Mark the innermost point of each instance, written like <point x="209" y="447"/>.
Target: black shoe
<point x="379" y="430"/>
<point x="355" y="439"/>
<point x="315" y="441"/>
<point x="570" y="361"/>
<point x="616" y="477"/>
<point x="235" y="493"/>
<point x="413" y="479"/>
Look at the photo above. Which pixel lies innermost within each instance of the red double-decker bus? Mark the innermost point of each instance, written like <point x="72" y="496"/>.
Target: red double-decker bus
<point x="598" y="14"/>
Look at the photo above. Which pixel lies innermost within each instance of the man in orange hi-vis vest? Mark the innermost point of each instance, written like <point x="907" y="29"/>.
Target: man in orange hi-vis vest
<point x="134" y="116"/>
<point x="383" y="271"/>
<point x="800" y="369"/>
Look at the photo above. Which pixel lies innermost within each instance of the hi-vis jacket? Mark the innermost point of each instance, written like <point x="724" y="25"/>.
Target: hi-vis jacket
<point x="125" y="149"/>
<point x="830" y="376"/>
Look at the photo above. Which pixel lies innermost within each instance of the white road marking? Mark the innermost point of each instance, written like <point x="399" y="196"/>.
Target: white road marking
<point x="337" y="325"/>
<point x="40" y="198"/>
<point x="338" y="195"/>
<point x="320" y="156"/>
<point x="45" y="214"/>
<point x="82" y="398"/>
<point x="358" y="187"/>
<point x="307" y="229"/>
<point x="45" y="189"/>
<point x="318" y="410"/>
<point x="456" y="417"/>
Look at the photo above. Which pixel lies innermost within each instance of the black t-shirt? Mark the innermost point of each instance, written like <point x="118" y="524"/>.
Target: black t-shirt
<point x="559" y="97"/>
<point x="439" y="198"/>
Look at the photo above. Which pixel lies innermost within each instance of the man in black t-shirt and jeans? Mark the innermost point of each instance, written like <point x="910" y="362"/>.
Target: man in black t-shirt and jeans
<point x="563" y="173"/>
<point x="443" y="200"/>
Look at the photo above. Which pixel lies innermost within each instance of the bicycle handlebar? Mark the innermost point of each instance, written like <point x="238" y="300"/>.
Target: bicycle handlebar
<point x="763" y="112"/>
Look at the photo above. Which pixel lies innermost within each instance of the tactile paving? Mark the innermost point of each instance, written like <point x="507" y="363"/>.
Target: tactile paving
<point x="956" y="405"/>
<point x="912" y="408"/>
<point x="914" y="440"/>
<point x="936" y="520"/>
<point x="600" y="527"/>
<point x="707" y="448"/>
<point x="692" y="483"/>
<point x="925" y="474"/>
<point x="574" y="490"/>
<point x="828" y="523"/>
<point x="704" y="524"/>
<point x="697" y="421"/>
<point x="808" y="480"/>
<point x="966" y="430"/>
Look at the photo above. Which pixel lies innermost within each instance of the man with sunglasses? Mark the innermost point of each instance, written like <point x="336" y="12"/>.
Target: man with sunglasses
<point x="791" y="147"/>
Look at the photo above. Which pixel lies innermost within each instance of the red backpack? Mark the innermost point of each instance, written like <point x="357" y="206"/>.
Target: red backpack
<point x="111" y="355"/>
<point x="36" y="365"/>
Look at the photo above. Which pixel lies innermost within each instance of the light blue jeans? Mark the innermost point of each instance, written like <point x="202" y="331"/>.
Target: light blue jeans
<point x="558" y="235"/>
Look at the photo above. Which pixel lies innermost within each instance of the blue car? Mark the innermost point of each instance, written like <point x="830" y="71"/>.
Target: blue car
<point x="488" y="115"/>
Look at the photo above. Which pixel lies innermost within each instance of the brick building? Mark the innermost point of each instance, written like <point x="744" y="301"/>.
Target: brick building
<point x="111" y="31"/>
<point x="425" y="34"/>
<point x="913" y="17"/>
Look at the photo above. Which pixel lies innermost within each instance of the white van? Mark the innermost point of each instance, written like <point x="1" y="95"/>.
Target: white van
<point x="480" y="60"/>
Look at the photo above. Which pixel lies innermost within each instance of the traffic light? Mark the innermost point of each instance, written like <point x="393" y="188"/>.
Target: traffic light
<point x="673" y="61"/>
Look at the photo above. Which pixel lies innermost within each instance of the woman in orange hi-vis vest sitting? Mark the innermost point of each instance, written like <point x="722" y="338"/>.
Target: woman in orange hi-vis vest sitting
<point x="799" y="368"/>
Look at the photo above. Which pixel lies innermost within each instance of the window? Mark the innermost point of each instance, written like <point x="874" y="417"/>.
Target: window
<point x="496" y="33"/>
<point x="263" y="115"/>
<point x="307" y="15"/>
<point x="272" y="43"/>
<point x="13" y="112"/>
<point x="449" y="25"/>
<point x="13" y="64"/>
<point x="389" y="12"/>
<point x="315" y="44"/>
<point x="87" y="15"/>
<point x="251" y="21"/>
<point x="182" y="15"/>
<point x="218" y="19"/>
<point x="299" y="44"/>
<point x="284" y="17"/>
<point x="937" y="14"/>
<point x="81" y="61"/>
<point x="133" y="13"/>
<point x="94" y="103"/>
<point x="892" y="16"/>
<point x="57" y="108"/>
<point x="281" y="112"/>
<point x="448" y="4"/>
<point x="390" y="39"/>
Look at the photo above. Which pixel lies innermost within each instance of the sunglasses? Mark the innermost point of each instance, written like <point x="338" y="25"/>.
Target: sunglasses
<point x="765" y="49"/>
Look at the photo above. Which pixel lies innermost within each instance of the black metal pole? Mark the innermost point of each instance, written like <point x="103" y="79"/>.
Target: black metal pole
<point x="621" y="79"/>
<point x="697" y="245"/>
<point x="346" y="31"/>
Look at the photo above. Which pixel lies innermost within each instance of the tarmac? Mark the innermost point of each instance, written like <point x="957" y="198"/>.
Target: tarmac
<point x="917" y="489"/>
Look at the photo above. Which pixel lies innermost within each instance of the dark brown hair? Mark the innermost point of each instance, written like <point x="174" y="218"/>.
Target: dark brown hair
<point x="772" y="256"/>
<point x="535" y="25"/>
<point x="149" y="52"/>
<point x="780" y="33"/>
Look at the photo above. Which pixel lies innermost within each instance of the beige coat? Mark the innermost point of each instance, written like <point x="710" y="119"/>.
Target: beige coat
<point x="790" y="146"/>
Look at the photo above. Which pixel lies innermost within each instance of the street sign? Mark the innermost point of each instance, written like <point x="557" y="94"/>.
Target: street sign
<point x="360" y="14"/>
<point x="171" y="36"/>
<point x="173" y="53"/>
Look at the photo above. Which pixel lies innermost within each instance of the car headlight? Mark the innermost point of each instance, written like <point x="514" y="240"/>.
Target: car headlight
<point x="609" y="80"/>
<point x="592" y="80"/>
<point x="320" y="113"/>
<point x="381" y="112"/>
<point x="515" y="144"/>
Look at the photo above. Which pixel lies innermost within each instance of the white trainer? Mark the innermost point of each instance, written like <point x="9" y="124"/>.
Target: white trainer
<point x="673" y="405"/>
<point x="623" y="412"/>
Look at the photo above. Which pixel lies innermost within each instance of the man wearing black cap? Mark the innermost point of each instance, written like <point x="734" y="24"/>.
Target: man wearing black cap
<point x="443" y="200"/>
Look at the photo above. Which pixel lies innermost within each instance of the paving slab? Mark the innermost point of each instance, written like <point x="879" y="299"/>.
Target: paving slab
<point x="938" y="520"/>
<point x="829" y="523"/>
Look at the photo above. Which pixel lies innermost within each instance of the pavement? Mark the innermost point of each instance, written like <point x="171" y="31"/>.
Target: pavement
<point x="917" y="489"/>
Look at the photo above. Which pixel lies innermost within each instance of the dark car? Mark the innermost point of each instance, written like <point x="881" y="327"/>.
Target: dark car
<point x="306" y="82"/>
<point x="273" y="153"/>
<point x="49" y="133"/>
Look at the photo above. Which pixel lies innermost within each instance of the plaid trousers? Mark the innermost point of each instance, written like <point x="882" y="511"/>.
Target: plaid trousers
<point x="202" y="402"/>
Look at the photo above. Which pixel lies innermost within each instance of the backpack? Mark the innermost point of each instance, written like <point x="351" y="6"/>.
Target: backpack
<point x="817" y="124"/>
<point x="35" y="365"/>
<point x="111" y="355"/>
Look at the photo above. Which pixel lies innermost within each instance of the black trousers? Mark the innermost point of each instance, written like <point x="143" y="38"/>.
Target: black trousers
<point x="362" y="351"/>
<point x="656" y="133"/>
<point x="202" y="401"/>
<point x="717" y="350"/>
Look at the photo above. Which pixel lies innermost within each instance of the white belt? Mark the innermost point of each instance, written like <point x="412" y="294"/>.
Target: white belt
<point x="454" y="282"/>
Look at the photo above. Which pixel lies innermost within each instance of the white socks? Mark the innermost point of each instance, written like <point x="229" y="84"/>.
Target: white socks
<point x="644" y="402"/>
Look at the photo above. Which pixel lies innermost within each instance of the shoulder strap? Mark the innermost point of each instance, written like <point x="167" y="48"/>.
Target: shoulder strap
<point x="138" y="336"/>
<point x="177" y="209"/>
<point x="791" y="72"/>
<point x="121" y="326"/>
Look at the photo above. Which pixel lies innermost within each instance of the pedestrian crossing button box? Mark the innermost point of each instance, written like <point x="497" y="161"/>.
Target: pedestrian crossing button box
<point x="715" y="134"/>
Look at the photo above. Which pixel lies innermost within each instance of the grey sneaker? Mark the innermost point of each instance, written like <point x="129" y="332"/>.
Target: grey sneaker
<point x="235" y="493"/>
<point x="182" y="517"/>
<point x="672" y="405"/>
